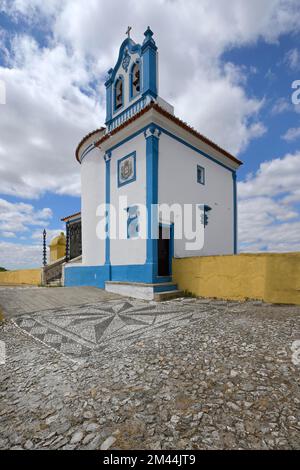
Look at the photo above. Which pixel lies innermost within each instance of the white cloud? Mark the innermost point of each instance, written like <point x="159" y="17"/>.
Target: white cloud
<point x="269" y="215"/>
<point x="280" y="106"/>
<point x="50" y="234"/>
<point x="20" y="217"/>
<point x="18" y="256"/>
<point x="39" y="150"/>
<point x="292" y="59"/>
<point x="8" y="234"/>
<point x="51" y="85"/>
<point x="291" y="134"/>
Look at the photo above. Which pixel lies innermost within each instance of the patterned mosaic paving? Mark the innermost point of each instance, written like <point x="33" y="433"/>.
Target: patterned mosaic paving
<point x="110" y="325"/>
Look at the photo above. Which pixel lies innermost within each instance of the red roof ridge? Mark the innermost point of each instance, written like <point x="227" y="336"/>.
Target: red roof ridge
<point x="70" y="216"/>
<point x="176" y="120"/>
<point x="85" y="138"/>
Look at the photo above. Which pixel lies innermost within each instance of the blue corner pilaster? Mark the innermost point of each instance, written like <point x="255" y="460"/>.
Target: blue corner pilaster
<point x="152" y="141"/>
<point x="149" y="59"/>
<point x="235" y="224"/>
<point x="107" y="158"/>
<point x="108" y="85"/>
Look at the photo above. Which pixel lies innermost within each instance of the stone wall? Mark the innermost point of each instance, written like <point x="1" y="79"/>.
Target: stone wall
<point x="270" y="277"/>
<point x="22" y="276"/>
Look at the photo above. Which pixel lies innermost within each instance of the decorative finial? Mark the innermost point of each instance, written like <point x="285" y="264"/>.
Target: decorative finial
<point x="148" y="36"/>
<point x="148" y="33"/>
<point x="128" y="31"/>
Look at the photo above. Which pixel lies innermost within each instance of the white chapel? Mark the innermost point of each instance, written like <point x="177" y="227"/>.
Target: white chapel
<point x="143" y="158"/>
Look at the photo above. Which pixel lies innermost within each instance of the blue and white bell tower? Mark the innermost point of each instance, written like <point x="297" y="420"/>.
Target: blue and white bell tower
<point x="133" y="81"/>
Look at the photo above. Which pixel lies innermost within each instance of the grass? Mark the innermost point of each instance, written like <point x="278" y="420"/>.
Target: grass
<point x="187" y="293"/>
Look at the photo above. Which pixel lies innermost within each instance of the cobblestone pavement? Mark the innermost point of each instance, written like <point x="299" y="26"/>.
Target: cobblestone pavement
<point x="188" y="374"/>
<point x="16" y="301"/>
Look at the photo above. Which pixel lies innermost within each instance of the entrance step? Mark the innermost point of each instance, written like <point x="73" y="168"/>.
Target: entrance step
<point x="162" y="296"/>
<point x="54" y="283"/>
<point x="139" y="290"/>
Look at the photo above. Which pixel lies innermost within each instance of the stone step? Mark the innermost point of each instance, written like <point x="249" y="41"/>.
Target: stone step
<point x="167" y="295"/>
<point x="56" y="283"/>
<point x="140" y="290"/>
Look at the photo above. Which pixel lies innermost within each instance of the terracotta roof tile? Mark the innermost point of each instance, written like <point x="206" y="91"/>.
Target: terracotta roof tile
<point x="65" y="219"/>
<point x="177" y="121"/>
<point x="85" y="139"/>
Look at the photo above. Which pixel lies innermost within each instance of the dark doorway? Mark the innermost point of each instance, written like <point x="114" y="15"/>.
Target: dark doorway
<point x="164" y="251"/>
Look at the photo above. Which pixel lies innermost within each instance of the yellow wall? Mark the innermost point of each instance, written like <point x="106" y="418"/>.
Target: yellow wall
<point x="57" y="247"/>
<point x="57" y="252"/>
<point x="269" y="277"/>
<point x="23" y="276"/>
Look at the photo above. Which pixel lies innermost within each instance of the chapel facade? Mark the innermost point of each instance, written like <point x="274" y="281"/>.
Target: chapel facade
<point x="146" y="157"/>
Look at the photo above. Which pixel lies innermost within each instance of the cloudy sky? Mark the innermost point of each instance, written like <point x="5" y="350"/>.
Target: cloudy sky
<point x="226" y="66"/>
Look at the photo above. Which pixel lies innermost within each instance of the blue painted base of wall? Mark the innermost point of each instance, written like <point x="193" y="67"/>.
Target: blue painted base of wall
<point x="165" y="288"/>
<point x="94" y="276"/>
<point x="97" y="275"/>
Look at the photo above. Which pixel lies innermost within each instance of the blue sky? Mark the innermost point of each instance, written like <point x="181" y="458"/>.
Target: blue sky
<point x="238" y="67"/>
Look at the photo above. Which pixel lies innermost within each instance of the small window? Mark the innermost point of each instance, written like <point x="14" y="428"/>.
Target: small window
<point x="200" y="174"/>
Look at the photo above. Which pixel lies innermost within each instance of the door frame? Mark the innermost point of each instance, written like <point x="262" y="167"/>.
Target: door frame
<point x="171" y="245"/>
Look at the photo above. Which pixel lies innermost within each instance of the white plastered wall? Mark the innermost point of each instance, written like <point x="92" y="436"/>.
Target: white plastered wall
<point x="129" y="251"/>
<point x="178" y="184"/>
<point x="92" y="194"/>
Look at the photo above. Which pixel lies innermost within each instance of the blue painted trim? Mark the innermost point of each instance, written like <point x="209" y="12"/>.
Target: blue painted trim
<point x="128" y="112"/>
<point x="86" y="276"/>
<point x="107" y="159"/>
<point x="87" y="151"/>
<point x="74" y="220"/>
<point x="115" y="109"/>
<point x="165" y="288"/>
<point x="131" y="97"/>
<point x="132" y="154"/>
<point x="127" y="139"/>
<point x="137" y="273"/>
<point x="199" y="167"/>
<point x="108" y="102"/>
<point x="135" y="134"/>
<point x="159" y="279"/>
<point x="97" y="275"/>
<point x="235" y="221"/>
<point x="152" y="197"/>
<point x="194" y="148"/>
<point x="149" y="73"/>
<point x="149" y="54"/>
<point x="171" y="254"/>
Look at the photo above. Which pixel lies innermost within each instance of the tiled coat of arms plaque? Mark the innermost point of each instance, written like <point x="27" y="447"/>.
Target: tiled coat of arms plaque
<point x="127" y="169"/>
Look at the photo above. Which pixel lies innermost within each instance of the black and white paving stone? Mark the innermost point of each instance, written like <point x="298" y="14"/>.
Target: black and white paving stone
<point x="123" y="374"/>
<point x="110" y="325"/>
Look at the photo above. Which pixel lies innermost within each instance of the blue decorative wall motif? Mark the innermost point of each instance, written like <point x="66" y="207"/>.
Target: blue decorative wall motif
<point x="204" y="215"/>
<point x="127" y="169"/>
<point x="126" y="60"/>
<point x="133" y="229"/>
